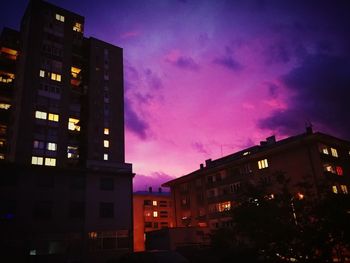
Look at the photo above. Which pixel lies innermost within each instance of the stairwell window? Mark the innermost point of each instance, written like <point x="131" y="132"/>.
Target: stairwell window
<point x="106" y="143"/>
<point x="263" y="164"/>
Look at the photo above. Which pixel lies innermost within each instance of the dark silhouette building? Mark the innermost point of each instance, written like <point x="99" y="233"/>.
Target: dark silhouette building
<point x="205" y="197"/>
<point x="65" y="189"/>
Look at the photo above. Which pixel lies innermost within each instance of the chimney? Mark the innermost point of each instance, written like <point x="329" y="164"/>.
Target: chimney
<point x="309" y="129"/>
<point x="271" y="140"/>
<point x="150" y="189"/>
<point x="207" y="162"/>
<point x="160" y="190"/>
<point x="201" y="166"/>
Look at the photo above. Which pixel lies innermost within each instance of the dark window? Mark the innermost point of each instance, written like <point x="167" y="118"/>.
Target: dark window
<point x="7" y="210"/>
<point x="106" y="210"/>
<point x="148" y="224"/>
<point x="43" y="210"/>
<point x="147" y="202"/>
<point x="45" y="180"/>
<point x="163" y="203"/>
<point x="107" y="183"/>
<point x="163" y="214"/>
<point x="77" y="182"/>
<point x="8" y="179"/>
<point x="123" y="242"/>
<point x="155" y="224"/>
<point x="109" y="242"/>
<point x="77" y="209"/>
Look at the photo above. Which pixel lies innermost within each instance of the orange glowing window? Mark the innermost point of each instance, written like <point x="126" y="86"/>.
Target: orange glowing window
<point x="75" y="72"/>
<point x="9" y="53"/>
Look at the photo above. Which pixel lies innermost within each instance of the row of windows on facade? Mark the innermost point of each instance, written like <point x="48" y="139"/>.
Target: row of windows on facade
<point x="78" y="27"/>
<point x="6" y="77"/>
<point x="162" y="214"/>
<point x="102" y="240"/>
<point x="48" y="161"/>
<point x="49" y="181"/>
<point x="227" y="205"/>
<point x="73" y="123"/>
<point x="45" y="209"/>
<point x="161" y="203"/>
<point x="8" y="53"/>
<point x="156" y="224"/>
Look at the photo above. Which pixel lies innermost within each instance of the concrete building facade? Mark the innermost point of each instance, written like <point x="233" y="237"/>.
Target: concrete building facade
<point x="206" y="196"/>
<point x="66" y="191"/>
<point x="152" y="211"/>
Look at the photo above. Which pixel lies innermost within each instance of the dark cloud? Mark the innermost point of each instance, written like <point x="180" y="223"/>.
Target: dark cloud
<point x="134" y="122"/>
<point x="277" y="53"/>
<point x="273" y="90"/>
<point x="321" y="95"/>
<point x="199" y="147"/>
<point x="153" y="81"/>
<point x="187" y="63"/>
<point x="154" y="180"/>
<point x="228" y="62"/>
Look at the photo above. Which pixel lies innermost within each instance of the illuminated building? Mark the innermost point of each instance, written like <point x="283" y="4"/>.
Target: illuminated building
<point x="9" y="46"/>
<point x="152" y="211"/>
<point x="206" y="196"/>
<point x="66" y="189"/>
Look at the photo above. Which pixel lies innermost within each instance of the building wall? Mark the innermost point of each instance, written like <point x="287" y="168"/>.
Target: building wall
<point x="152" y="211"/>
<point x="9" y="47"/>
<point x="206" y="196"/>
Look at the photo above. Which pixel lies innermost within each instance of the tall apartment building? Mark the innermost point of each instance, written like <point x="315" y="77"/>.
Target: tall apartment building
<point x="9" y="46"/>
<point x="152" y="211"/>
<point x="205" y="196"/>
<point x="66" y="189"/>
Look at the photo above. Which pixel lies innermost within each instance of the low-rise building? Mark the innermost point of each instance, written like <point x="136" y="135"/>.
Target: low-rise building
<point x="152" y="211"/>
<point x="206" y="196"/>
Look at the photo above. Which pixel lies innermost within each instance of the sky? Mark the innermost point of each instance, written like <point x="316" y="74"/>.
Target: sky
<point x="207" y="78"/>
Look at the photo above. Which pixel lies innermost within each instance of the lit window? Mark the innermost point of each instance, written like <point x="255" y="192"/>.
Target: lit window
<point x="42" y="73"/>
<point x="324" y="150"/>
<point x="224" y="206"/>
<point x="147" y="213"/>
<point x="75" y="72"/>
<point x="38" y="144"/>
<point x="53" y="117"/>
<point x="263" y="164"/>
<point x="59" y="18"/>
<point x="2" y="156"/>
<point x="5" y="106"/>
<point x="344" y="189"/>
<point x="155" y="213"/>
<point x="6" y="77"/>
<point x="37" y="160"/>
<point x="77" y="27"/>
<point x="51" y="146"/>
<point x="334" y="152"/>
<point x="72" y="152"/>
<point x="334" y="189"/>
<point x="50" y="161"/>
<point x="106" y="131"/>
<point x="154" y="203"/>
<point x="105" y="143"/>
<point x="40" y="115"/>
<point x="9" y="53"/>
<point x="56" y="77"/>
<point x="339" y="170"/>
<point x="73" y="124"/>
<point x="105" y="156"/>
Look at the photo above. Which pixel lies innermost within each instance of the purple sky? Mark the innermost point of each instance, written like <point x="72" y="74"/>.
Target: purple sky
<point x="205" y="78"/>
